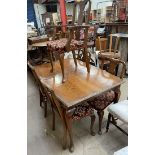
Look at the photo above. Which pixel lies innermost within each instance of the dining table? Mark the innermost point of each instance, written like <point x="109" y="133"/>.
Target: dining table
<point x="80" y="86"/>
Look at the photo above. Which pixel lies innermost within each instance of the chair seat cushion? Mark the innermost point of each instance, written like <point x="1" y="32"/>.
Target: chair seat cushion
<point x="120" y="110"/>
<point x="81" y="111"/>
<point x="59" y="45"/>
<point x="110" y="55"/>
<point x="102" y="101"/>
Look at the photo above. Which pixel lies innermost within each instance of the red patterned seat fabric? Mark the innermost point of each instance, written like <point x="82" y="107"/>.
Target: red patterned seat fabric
<point x="59" y="45"/>
<point x="82" y="111"/>
<point x="102" y="101"/>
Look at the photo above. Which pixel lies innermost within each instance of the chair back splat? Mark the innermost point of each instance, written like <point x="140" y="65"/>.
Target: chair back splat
<point x="113" y="65"/>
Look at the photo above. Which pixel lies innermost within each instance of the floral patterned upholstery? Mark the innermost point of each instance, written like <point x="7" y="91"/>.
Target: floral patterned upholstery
<point x="102" y="101"/>
<point x="81" y="111"/>
<point x="59" y="45"/>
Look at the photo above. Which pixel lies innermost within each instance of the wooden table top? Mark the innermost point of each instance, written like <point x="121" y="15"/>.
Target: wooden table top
<point x="79" y="85"/>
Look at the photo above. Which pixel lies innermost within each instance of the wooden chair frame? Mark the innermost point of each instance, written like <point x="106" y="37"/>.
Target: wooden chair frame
<point x="73" y="30"/>
<point x="112" y="120"/>
<point x="67" y="122"/>
<point x="112" y="68"/>
<point x="111" y="51"/>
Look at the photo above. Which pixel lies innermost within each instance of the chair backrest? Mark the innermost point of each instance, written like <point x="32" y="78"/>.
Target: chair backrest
<point x="54" y="102"/>
<point x="84" y="11"/>
<point x="112" y="65"/>
<point x="80" y="33"/>
<point x="49" y="94"/>
<point x="115" y="45"/>
<point x="36" y="78"/>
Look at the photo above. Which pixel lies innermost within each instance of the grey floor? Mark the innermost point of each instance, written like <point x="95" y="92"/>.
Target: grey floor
<point x="39" y="143"/>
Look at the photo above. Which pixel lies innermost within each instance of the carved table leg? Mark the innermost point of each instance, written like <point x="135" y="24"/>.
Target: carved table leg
<point x="61" y="60"/>
<point x="100" y="115"/>
<point x="62" y="115"/>
<point x="92" y="125"/>
<point x="65" y="136"/>
<point x="69" y="127"/>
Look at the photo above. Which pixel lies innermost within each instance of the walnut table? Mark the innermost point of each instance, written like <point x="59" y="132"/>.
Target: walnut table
<point x="80" y="85"/>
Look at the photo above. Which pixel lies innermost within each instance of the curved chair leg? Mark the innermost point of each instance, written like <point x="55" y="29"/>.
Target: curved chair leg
<point x="41" y="98"/>
<point x="50" y="55"/>
<point x="61" y="60"/>
<point x="100" y="115"/>
<point x="108" y="122"/>
<point x="86" y="59"/>
<point x="74" y="56"/>
<point x="92" y="125"/>
<point x="45" y="106"/>
<point x="53" y="119"/>
<point x="69" y="126"/>
<point x="65" y="136"/>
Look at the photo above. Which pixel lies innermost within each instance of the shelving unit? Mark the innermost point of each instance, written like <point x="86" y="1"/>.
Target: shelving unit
<point x="108" y="14"/>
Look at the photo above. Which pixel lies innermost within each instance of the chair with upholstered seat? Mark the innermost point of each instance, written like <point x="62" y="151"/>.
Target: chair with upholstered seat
<point x="113" y="51"/>
<point x="101" y="102"/>
<point x="75" y="41"/>
<point x="43" y="98"/>
<point x="67" y="116"/>
<point x="120" y="111"/>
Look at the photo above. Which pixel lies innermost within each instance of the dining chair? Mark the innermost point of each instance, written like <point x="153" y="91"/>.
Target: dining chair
<point x="101" y="102"/>
<point x="119" y="111"/>
<point x="77" y="38"/>
<point x="90" y="45"/>
<point x="112" y="51"/>
<point x="67" y="117"/>
<point x="42" y="94"/>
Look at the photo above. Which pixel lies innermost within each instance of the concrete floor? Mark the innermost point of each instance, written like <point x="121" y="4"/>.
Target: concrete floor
<point x="38" y="143"/>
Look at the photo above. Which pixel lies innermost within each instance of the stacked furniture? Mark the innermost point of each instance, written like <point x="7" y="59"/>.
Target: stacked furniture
<point x="73" y="87"/>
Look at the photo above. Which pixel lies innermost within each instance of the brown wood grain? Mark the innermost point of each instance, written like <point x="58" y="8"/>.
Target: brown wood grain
<point x="80" y="85"/>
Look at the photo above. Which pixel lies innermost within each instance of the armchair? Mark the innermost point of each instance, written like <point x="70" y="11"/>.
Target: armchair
<point x="101" y="102"/>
